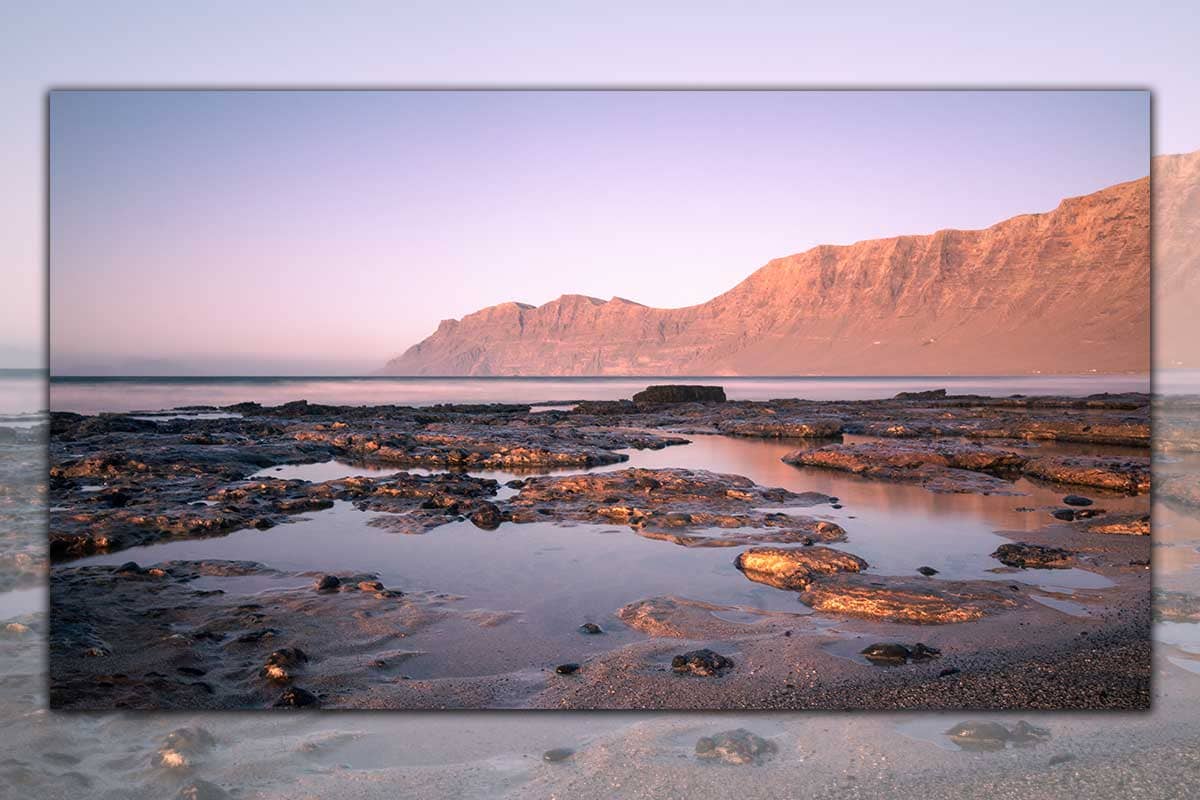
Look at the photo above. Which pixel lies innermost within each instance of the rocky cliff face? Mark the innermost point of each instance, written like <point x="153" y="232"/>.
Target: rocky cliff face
<point x="1063" y="291"/>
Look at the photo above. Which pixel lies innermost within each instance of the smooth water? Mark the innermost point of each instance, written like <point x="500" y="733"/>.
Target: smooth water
<point x="95" y="395"/>
<point x="552" y="577"/>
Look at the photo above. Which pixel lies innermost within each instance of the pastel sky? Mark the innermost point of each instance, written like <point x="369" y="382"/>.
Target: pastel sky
<point x="376" y="43"/>
<point x="326" y="231"/>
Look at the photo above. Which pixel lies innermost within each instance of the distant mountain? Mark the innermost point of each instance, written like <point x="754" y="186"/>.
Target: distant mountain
<point x="1063" y="291"/>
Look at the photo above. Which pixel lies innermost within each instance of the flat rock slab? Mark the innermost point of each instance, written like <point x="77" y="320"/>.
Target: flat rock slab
<point x="1034" y="556"/>
<point x="1127" y="475"/>
<point x="673" y="504"/>
<point x="738" y="746"/>
<point x="679" y="393"/>
<point x="922" y="602"/>
<point x="794" y="568"/>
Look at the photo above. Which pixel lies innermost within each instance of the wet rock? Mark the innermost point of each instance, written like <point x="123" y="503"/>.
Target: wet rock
<point x="283" y="663"/>
<point x="590" y="628"/>
<point x="181" y="747"/>
<point x="948" y="671"/>
<point x="202" y="790"/>
<point x="930" y="394"/>
<point x="567" y="669"/>
<point x="1065" y="514"/>
<point x="794" y="568"/>
<point x="911" y="601"/>
<point x="927" y="571"/>
<point x="738" y="746"/>
<point x="486" y="516"/>
<point x="896" y="653"/>
<point x="1034" y="556"/>
<point x="557" y="755"/>
<point x="1077" y="500"/>
<point x="296" y="697"/>
<point x="1061" y="758"/>
<point x="980" y="735"/>
<point x="15" y="630"/>
<point x="1128" y="475"/>
<point x="129" y="568"/>
<point x="1120" y="524"/>
<point x="680" y="393"/>
<point x="328" y="583"/>
<point x="704" y="662"/>
<point x="786" y="428"/>
<point x="947" y="467"/>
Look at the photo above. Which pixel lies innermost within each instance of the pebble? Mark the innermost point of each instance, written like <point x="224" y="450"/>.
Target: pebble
<point x="557" y="755"/>
<point x="590" y="628"/>
<point x="567" y="669"/>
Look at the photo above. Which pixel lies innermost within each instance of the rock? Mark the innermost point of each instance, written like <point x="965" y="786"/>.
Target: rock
<point x="704" y="662"/>
<point x="948" y="671"/>
<point x="738" y="746"/>
<point x="567" y="669"/>
<point x="927" y="571"/>
<point x="15" y="630"/>
<point x="1065" y="514"/>
<point x="931" y="394"/>
<point x="328" y="583"/>
<point x="886" y="653"/>
<point x="202" y="790"/>
<point x="895" y="653"/>
<point x="181" y="746"/>
<point x="129" y="568"/>
<point x="1128" y="474"/>
<point x="486" y="516"/>
<point x="1077" y="500"/>
<point x="1034" y="556"/>
<point x="916" y="601"/>
<point x="1061" y="758"/>
<point x="983" y="735"/>
<point x="557" y="755"/>
<point x="296" y="697"/>
<point x="1122" y="524"/>
<point x="590" y="628"/>
<point x="282" y="663"/>
<point x="794" y="568"/>
<point x="680" y="393"/>
<point x="979" y="735"/>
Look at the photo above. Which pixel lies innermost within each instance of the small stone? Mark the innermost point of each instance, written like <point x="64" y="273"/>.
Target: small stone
<point x="328" y="583"/>
<point x="567" y="669"/>
<point x="296" y="697"/>
<point x="705" y="662"/>
<point x="487" y="516"/>
<point x="1061" y="758"/>
<point x="1065" y="514"/>
<point x="738" y="746"/>
<point x="557" y="755"/>
<point x="835" y="505"/>
<point x="927" y="571"/>
<point x="282" y="663"/>
<point x="948" y="671"/>
<point x="14" y="630"/>
<point x="202" y="790"/>
<point x="129" y="568"/>
<point x="1077" y="500"/>
<point x="1034" y="556"/>
<point x="590" y="628"/>
<point x="886" y="653"/>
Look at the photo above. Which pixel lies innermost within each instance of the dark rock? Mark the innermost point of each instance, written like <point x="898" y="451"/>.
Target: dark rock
<point x="983" y="735"/>
<point x="1035" y="556"/>
<point x="1077" y="500"/>
<point x="1061" y="758"/>
<point x="886" y="653"/>
<point x="932" y="394"/>
<point x="896" y="653"/>
<point x="703" y="662"/>
<point x="515" y="483"/>
<point x="129" y="568"/>
<point x="282" y="663"/>
<point x="678" y="393"/>
<point x="189" y="740"/>
<point x="948" y="671"/>
<point x="487" y="516"/>
<point x="328" y="583"/>
<point x="590" y="628"/>
<point x="202" y="790"/>
<point x="1065" y="514"/>
<point x="738" y="746"/>
<point x="557" y="755"/>
<point x="296" y="697"/>
<point x="567" y="669"/>
<point x="927" y="571"/>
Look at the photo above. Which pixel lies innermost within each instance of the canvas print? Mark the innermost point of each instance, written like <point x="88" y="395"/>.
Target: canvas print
<point x="715" y="400"/>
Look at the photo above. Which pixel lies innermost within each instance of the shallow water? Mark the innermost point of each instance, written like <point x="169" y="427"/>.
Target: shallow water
<point x="555" y="576"/>
<point x="95" y="395"/>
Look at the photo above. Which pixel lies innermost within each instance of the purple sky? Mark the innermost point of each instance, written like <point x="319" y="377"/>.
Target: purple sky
<point x="318" y="232"/>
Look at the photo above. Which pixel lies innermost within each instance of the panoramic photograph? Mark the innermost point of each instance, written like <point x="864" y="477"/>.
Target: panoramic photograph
<point x="660" y="400"/>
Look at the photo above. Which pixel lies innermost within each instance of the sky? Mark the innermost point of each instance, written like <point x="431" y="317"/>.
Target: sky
<point x="191" y="228"/>
<point x="752" y="44"/>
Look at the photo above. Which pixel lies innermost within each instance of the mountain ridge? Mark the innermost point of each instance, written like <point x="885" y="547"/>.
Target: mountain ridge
<point x="954" y="301"/>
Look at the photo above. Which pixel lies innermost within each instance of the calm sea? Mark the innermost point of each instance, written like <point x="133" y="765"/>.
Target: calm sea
<point x="94" y="395"/>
